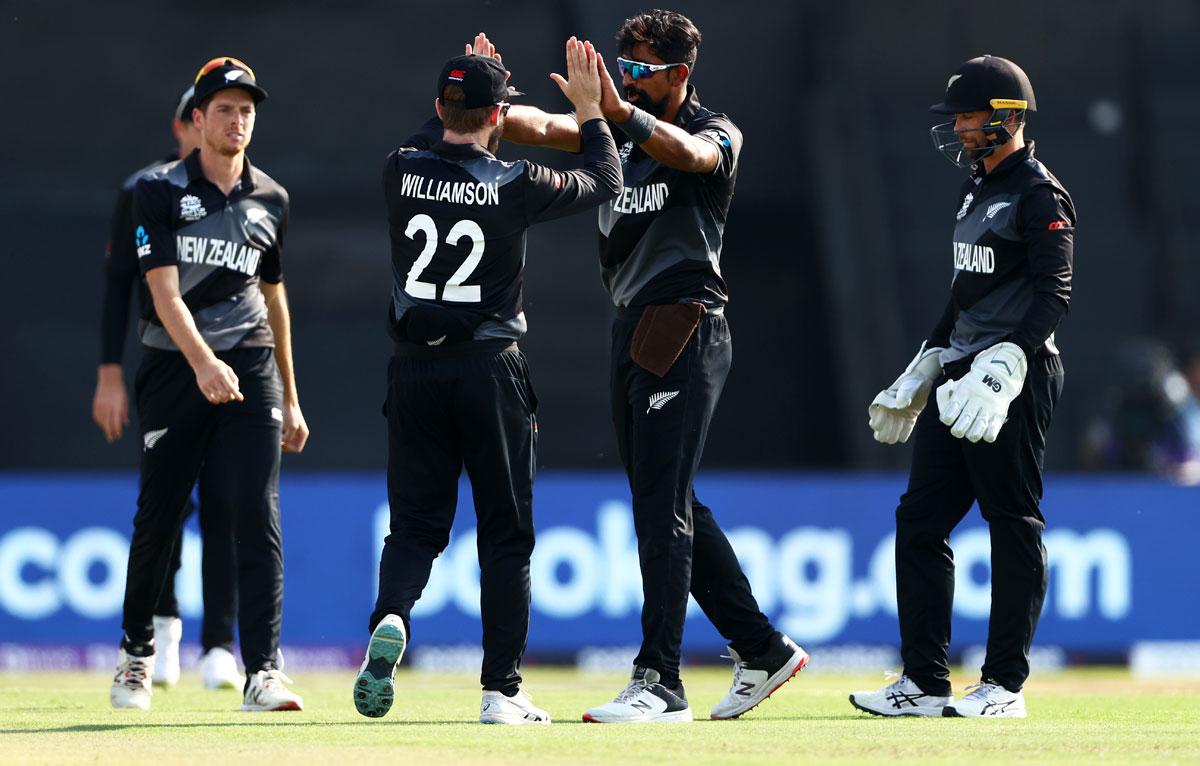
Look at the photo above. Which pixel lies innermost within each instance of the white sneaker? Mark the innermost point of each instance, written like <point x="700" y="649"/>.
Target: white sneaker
<point x="518" y="709"/>
<point x="985" y="700"/>
<point x="219" y="670"/>
<point x="902" y="697"/>
<point x="644" y="700"/>
<point x="375" y="687"/>
<point x="168" y="632"/>
<point x="266" y="691"/>
<point x="131" y="684"/>
<point x="756" y="679"/>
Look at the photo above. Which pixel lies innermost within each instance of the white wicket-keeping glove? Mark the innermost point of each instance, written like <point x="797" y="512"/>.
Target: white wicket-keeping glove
<point x="894" y="411"/>
<point x="976" y="405"/>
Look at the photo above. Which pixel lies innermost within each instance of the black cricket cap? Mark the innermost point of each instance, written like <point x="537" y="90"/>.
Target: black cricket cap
<point x="226" y="72"/>
<point x="986" y="82"/>
<point x="480" y="77"/>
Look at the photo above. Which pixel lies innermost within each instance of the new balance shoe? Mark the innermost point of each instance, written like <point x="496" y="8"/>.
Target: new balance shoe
<point x="902" y="697"/>
<point x="266" y="691"/>
<point x="131" y="684"/>
<point x="375" y="687"/>
<point x="644" y="700"/>
<point x="219" y="670"/>
<point x="168" y="632"/>
<point x="756" y="679"/>
<point x="987" y="700"/>
<point x="517" y="709"/>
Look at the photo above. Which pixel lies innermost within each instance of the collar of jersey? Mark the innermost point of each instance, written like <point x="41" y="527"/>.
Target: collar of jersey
<point x="460" y="151"/>
<point x="691" y="105"/>
<point x="192" y="163"/>
<point x="1008" y="163"/>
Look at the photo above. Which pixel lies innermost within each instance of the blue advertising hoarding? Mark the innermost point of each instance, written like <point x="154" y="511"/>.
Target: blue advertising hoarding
<point x="817" y="549"/>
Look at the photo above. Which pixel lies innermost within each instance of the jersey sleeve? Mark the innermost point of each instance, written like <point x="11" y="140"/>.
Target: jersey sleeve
<point x="939" y="337"/>
<point x="153" y="239"/>
<point x="553" y="193"/>
<point x="1046" y="221"/>
<point x="120" y="272"/>
<point x="720" y="131"/>
<point x="271" y="269"/>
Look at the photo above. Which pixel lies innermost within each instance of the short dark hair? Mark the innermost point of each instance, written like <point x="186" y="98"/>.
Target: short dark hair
<point x="459" y="119"/>
<point x="671" y="36"/>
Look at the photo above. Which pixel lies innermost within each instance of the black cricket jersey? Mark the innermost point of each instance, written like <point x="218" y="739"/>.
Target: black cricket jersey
<point x="121" y="270"/>
<point x="660" y="240"/>
<point x="458" y="217"/>
<point x="1013" y="253"/>
<point x="221" y="245"/>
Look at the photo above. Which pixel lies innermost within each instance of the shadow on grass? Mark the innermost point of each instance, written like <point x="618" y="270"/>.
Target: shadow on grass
<point x="143" y="725"/>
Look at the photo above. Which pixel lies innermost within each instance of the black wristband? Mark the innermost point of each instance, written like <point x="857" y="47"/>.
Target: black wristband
<point x="640" y="126"/>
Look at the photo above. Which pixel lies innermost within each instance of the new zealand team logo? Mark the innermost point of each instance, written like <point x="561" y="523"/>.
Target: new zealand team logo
<point x="190" y="208"/>
<point x="962" y="211"/>
<point x="626" y="148"/>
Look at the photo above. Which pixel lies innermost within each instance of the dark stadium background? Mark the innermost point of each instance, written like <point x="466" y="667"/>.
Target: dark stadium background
<point x="837" y="250"/>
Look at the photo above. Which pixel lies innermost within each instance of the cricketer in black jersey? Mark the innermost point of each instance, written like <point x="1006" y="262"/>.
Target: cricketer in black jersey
<point x="459" y="394"/>
<point x="997" y="374"/>
<point x="216" y="390"/>
<point x="660" y="251"/>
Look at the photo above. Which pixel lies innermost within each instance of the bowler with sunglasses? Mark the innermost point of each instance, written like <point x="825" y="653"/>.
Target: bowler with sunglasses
<point x="459" y="394"/>
<point x="660" y="258"/>
<point x="216" y="388"/>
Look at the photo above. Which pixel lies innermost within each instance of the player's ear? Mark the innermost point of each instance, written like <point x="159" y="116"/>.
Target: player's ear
<point x="679" y="74"/>
<point x="437" y="108"/>
<point x="494" y="115"/>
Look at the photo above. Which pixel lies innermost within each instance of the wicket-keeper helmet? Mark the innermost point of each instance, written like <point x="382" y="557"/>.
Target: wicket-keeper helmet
<point x="986" y="82"/>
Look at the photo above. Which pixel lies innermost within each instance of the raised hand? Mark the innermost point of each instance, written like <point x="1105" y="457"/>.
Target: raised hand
<point x="612" y="105"/>
<point x="582" y="83"/>
<point x="482" y="46"/>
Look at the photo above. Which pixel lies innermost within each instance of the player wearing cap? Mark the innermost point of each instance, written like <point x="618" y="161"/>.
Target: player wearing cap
<point x="997" y="373"/>
<point x="459" y="393"/>
<point x="660" y="249"/>
<point x="110" y="410"/>
<point x="216" y="386"/>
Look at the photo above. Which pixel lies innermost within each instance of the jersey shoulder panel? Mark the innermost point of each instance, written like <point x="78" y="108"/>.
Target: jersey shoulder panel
<point x="132" y="179"/>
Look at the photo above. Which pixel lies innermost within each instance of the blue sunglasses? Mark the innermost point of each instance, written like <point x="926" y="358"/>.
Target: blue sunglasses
<point x="639" y="70"/>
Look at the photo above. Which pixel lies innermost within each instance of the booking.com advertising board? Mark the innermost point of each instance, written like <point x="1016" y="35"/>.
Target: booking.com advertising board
<point x="818" y="551"/>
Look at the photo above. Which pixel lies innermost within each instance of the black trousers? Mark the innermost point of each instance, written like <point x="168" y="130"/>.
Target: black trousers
<point x="218" y="567"/>
<point x="237" y="445"/>
<point x="662" y="425"/>
<point x="1005" y="477"/>
<point x="444" y="413"/>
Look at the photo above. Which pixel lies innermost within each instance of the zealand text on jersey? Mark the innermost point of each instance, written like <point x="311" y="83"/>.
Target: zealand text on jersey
<point x="218" y="252"/>
<point x="457" y="192"/>
<point x="978" y="258"/>
<point x="641" y="199"/>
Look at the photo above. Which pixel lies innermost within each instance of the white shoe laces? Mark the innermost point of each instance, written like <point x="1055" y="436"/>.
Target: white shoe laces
<point x="982" y="690"/>
<point x="635" y="688"/>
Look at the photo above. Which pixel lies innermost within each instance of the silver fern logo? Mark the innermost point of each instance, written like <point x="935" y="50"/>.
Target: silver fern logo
<point x="659" y="400"/>
<point x="150" y="438"/>
<point x="996" y="208"/>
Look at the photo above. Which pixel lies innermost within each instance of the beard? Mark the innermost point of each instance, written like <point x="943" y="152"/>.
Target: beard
<point x="645" y="103"/>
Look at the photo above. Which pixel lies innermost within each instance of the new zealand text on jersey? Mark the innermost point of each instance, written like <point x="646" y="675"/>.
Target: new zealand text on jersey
<point x="977" y="258"/>
<point x="641" y="199"/>
<point x="457" y="192"/>
<point x="218" y="252"/>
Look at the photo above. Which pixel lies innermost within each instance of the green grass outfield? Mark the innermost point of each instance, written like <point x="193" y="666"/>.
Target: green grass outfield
<point x="1076" y="716"/>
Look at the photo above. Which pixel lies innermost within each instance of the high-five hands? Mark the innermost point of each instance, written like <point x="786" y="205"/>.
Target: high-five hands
<point x="582" y="83"/>
<point x="482" y="46"/>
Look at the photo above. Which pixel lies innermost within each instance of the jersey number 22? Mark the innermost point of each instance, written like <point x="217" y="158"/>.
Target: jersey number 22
<point x="454" y="290"/>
